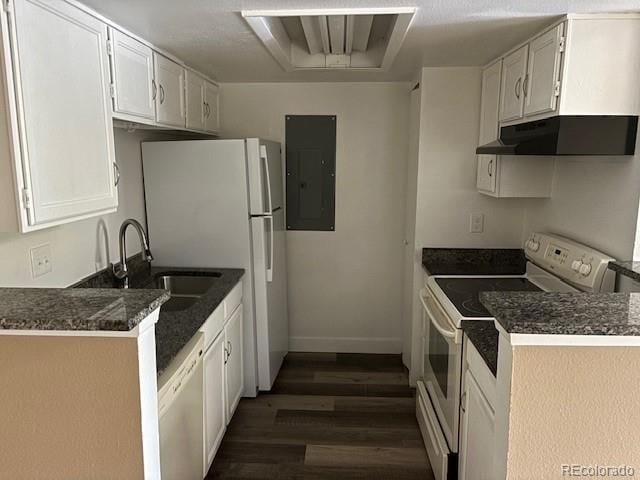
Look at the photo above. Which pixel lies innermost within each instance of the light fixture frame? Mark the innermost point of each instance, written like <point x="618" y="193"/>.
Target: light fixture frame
<point x="267" y="26"/>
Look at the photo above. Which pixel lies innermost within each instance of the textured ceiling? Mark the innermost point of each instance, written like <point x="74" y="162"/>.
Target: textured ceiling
<point x="210" y="35"/>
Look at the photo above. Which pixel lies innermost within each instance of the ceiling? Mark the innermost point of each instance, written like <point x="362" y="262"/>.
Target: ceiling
<point x="212" y="36"/>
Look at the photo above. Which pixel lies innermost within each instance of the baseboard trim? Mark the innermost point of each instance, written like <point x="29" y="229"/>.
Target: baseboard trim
<point x="345" y="344"/>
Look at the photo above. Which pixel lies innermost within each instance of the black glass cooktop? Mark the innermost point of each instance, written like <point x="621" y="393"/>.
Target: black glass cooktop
<point x="464" y="292"/>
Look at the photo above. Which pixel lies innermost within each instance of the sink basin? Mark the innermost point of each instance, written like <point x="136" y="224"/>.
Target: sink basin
<point x="175" y="304"/>
<point x="181" y="284"/>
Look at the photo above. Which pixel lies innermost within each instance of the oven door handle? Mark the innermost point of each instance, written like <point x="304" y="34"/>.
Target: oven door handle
<point x="444" y="331"/>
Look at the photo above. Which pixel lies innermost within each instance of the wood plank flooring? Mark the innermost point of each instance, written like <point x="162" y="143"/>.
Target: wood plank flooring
<point x="328" y="416"/>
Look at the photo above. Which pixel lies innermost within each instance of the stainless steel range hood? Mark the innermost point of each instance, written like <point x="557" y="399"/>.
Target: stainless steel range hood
<point x="567" y="135"/>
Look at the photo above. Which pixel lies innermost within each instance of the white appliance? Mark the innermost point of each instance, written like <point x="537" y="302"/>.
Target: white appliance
<point x="554" y="264"/>
<point x="180" y="409"/>
<point x="220" y="203"/>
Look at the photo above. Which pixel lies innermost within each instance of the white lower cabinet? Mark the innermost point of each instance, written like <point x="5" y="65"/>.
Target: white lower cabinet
<point x="476" y="447"/>
<point x="223" y="371"/>
<point x="214" y="399"/>
<point x="234" y="380"/>
<point x="477" y="419"/>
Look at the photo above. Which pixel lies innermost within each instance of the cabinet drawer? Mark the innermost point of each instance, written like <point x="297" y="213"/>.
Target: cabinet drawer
<point x="434" y="441"/>
<point x="212" y="327"/>
<point x="481" y="373"/>
<point x="232" y="300"/>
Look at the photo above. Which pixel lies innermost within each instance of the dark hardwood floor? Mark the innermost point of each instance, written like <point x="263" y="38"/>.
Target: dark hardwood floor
<point x="329" y="416"/>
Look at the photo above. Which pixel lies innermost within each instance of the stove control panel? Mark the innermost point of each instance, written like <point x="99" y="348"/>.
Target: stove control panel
<point x="582" y="266"/>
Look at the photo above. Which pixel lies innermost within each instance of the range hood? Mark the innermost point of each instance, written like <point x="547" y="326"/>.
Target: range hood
<point x="567" y="135"/>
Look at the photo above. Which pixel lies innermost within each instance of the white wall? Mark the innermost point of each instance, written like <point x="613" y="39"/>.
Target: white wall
<point x="345" y="287"/>
<point x="446" y="181"/>
<point x="594" y="201"/>
<point x="81" y="248"/>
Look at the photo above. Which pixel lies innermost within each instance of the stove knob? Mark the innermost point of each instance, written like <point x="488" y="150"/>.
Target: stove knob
<point x="575" y="265"/>
<point x="585" y="269"/>
<point x="534" y="246"/>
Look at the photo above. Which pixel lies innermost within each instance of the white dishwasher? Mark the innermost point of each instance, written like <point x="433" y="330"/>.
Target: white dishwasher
<point x="180" y="408"/>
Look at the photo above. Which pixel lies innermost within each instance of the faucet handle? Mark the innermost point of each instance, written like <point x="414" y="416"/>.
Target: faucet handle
<point x="119" y="271"/>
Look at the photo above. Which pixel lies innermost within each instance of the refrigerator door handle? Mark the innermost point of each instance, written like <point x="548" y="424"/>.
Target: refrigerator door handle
<point x="264" y="158"/>
<point x="270" y="264"/>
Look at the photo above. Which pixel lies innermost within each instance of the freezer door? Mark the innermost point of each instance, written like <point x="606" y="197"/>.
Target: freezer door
<point x="264" y="164"/>
<point x="270" y="280"/>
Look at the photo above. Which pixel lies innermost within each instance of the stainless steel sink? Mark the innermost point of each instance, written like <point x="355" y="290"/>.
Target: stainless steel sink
<point x="175" y="304"/>
<point x="188" y="285"/>
<point x="185" y="288"/>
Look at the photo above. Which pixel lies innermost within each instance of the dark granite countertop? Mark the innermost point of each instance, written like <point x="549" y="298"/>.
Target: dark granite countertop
<point x="550" y="313"/>
<point x="105" y="309"/>
<point x="175" y="328"/>
<point x="474" y="261"/>
<point x="628" y="269"/>
<point x="484" y="336"/>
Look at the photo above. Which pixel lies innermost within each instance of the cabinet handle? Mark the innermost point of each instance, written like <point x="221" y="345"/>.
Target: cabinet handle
<point x="154" y="89"/>
<point x="161" y="95"/>
<point x="525" y="85"/>
<point x="208" y="110"/>
<point x="517" y="87"/>
<point x="490" y="168"/>
<point x="230" y="347"/>
<point x="462" y="402"/>
<point x="117" y="172"/>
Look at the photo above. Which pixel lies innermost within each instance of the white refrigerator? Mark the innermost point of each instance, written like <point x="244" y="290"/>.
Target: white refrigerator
<point x="220" y="203"/>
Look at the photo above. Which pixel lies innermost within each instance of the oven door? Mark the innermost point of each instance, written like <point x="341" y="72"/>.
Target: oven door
<point x="442" y="363"/>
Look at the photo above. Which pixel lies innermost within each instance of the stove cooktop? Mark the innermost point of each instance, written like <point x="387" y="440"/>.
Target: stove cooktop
<point x="464" y="292"/>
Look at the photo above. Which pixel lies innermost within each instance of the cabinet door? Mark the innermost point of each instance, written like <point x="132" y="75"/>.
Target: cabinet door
<point x="214" y="399"/>
<point x="61" y="64"/>
<point x="212" y="122"/>
<point x="233" y="334"/>
<point x="132" y="64"/>
<point x="195" y="101"/>
<point x="541" y="85"/>
<point x="486" y="176"/>
<point x="514" y="68"/>
<point x="490" y="103"/>
<point x="170" y="97"/>
<point x="477" y="434"/>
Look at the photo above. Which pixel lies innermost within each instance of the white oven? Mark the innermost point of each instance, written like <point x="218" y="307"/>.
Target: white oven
<point x="442" y="364"/>
<point x="555" y="264"/>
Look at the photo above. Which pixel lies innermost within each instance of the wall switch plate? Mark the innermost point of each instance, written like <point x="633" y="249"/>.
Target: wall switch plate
<point x="41" y="260"/>
<point x="476" y="223"/>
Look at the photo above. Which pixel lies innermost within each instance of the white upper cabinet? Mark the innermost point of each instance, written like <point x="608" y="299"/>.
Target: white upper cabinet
<point x="486" y="174"/>
<point x="582" y="65"/>
<point x="195" y="101"/>
<point x="514" y="69"/>
<point x="489" y="125"/>
<point x="541" y="85"/>
<point x="134" y="87"/>
<point x="490" y="103"/>
<point x="212" y="122"/>
<point x="170" y="80"/>
<point x="59" y="114"/>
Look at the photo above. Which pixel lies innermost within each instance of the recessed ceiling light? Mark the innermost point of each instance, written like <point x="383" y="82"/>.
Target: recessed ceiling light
<point x="350" y="39"/>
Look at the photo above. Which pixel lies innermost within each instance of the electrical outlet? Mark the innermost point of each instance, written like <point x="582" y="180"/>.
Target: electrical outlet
<point x="476" y="223"/>
<point x="41" y="260"/>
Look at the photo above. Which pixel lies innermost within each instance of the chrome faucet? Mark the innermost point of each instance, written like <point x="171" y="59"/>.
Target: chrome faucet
<point x="120" y="270"/>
